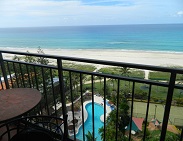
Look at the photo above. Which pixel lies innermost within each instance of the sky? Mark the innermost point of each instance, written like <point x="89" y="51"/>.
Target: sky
<point x="31" y="13"/>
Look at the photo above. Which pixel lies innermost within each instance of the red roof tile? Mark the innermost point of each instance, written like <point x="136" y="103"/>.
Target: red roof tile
<point x="138" y="122"/>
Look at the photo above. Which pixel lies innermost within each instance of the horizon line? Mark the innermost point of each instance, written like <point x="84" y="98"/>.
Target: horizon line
<point x="93" y="25"/>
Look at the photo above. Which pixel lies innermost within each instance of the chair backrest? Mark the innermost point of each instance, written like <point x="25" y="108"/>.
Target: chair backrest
<point x="37" y="126"/>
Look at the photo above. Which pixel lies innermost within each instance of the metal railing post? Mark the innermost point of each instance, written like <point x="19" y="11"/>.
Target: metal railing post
<point x="4" y="71"/>
<point x="62" y="94"/>
<point x="168" y="105"/>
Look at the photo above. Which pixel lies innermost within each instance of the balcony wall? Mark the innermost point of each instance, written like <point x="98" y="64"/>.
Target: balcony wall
<point x="66" y="88"/>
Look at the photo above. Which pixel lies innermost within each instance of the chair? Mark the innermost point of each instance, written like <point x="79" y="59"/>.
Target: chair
<point x="32" y="128"/>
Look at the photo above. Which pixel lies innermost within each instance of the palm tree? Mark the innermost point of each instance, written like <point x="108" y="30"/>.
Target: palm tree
<point x="112" y="80"/>
<point x="83" y="78"/>
<point x="100" y="78"/>
<point x="89" y="136"/>
<point x="75" y="79"/>
<point x="125" y="71"/>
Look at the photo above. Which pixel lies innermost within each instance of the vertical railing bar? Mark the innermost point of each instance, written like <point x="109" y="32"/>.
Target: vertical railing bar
<point x="53" y="91"/>
<point x="20" y="66"/>
<point x="133" y="91"/>
<point x="29" y="80"/>
<point x="93" y="113"/>
<point x="8" y="67"/>
<point x="83" y="117"/>
<point x="117" y="111"/>
<point x="44" y="90"/>
<point x="8" y="129"/>
<point x="72" y="101"/>
<point x="168" y="104"/>
<point x="35" y="75"/>
<point x="181" y="136"/>
<point x="104" y="108"/>
<point x="81" y="89"/>
<point x="4" y="71"/>
<point x="147" y="112"/>
<point x="32" y="79"/>
<point x="62" y="93"/>
<point x="16" y="75"/>
<point x="37" y="86"/>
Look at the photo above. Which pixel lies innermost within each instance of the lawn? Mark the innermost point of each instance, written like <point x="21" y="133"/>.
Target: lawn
<point x="136" y="73"/>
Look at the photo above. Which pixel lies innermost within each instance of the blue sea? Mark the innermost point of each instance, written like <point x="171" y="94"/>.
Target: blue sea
<point x="155" y="37"/>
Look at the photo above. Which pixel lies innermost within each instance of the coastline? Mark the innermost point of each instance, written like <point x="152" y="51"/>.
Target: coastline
<point x="155" y="58"/>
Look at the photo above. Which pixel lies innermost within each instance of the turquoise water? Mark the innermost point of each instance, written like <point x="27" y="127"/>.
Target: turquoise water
<point x="155" y="37"/>
<point x="99" y="110"/>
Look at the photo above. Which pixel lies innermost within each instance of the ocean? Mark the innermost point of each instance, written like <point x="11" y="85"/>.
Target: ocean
<point x="155" y="37"/>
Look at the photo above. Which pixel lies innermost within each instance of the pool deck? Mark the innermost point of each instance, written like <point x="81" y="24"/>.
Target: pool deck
<point x="78" y="115"/>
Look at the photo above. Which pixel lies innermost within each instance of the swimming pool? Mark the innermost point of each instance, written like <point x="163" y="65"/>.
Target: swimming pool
<point x="99" y="110"/>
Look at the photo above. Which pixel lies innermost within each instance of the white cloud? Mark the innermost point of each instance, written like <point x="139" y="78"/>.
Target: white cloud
<point x="180" y="13"/>
<point x="35" y="7"/>
<point x="77" y="12"/>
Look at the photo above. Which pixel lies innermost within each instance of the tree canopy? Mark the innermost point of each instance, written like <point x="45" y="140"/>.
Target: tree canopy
<point x="114" y="123"/>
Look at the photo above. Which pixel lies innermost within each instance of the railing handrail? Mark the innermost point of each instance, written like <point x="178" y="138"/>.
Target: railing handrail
<point x="100" y="74"/>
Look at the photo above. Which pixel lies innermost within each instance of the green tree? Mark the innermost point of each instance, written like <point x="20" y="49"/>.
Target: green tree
<point x="41" y="60"/>
<point x="75" y="80"/>
<point x="119" y="122"/>
<point x="100" y="78"/>
<point x="17" y="58"/>
<point x="110" y="133"/>
<point x="89" y="136"/>
<point x="34" y="76"/>
<point x="155" y="136"/>
<point x="66" y="79"/>
<point x="30" y="59"/>
<point x="107" y="91"/>
<point x="83" y="78"/>
<point x="125" y="71"/>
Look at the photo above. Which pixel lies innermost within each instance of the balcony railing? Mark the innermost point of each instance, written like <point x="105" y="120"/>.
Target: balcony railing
<point x="67" y="89"/>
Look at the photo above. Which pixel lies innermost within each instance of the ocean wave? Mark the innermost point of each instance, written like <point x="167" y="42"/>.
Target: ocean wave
<point x="154" y="51"/>
<point x="124" y="42"/>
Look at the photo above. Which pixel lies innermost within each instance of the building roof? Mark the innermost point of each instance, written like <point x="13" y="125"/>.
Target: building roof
<point x="136" y="124"/>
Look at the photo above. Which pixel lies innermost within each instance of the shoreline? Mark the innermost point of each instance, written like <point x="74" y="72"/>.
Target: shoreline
<point x="85" y="49"/>
<point x="154" y="58"/>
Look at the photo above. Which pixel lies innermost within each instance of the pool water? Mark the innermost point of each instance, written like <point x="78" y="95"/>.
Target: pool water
<point x="88" y="125"/>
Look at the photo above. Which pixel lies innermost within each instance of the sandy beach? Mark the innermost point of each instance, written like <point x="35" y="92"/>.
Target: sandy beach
<point x="138" y="57"/>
